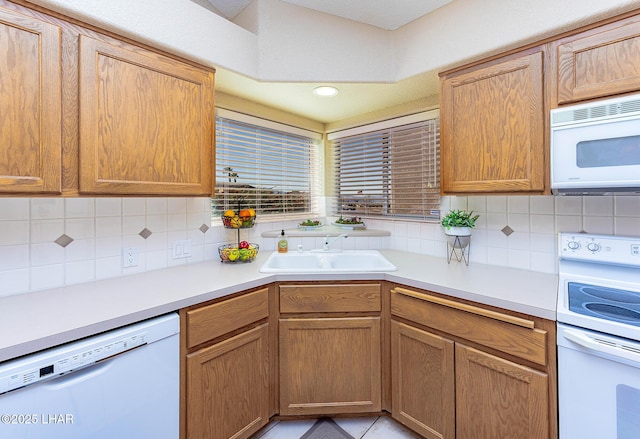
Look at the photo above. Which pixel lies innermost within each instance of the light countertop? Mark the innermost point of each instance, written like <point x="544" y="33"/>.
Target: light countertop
<point x="42" y="319"/>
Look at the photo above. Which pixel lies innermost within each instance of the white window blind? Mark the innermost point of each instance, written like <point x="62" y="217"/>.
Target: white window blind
<point x="390" y="172"/>
<point x="274" y="172"/>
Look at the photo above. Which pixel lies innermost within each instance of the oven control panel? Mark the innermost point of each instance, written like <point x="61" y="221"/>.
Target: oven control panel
<point x="605" y="249"/>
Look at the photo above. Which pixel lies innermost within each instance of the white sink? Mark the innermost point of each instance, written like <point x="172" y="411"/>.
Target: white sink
<point x="336" y="261"/>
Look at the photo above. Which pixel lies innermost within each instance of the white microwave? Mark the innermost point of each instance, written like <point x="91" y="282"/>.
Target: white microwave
<point x="595" y="147"/>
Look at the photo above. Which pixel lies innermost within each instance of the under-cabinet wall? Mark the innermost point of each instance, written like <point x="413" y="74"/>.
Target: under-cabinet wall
<point x="30" y="259"/>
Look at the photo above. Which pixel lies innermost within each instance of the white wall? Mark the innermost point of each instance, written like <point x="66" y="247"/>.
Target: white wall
<point x="469" y="29"/>
<point x="298" y="44"/>
<point x="31" y="260"/>
<point x="178" y="26"/>
<point x="294" y="44"/>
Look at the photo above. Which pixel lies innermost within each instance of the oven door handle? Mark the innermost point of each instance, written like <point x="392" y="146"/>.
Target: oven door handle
<point x="595" y="345"/>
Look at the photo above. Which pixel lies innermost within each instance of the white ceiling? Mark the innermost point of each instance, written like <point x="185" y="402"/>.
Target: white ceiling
<point x="385" y="14"/>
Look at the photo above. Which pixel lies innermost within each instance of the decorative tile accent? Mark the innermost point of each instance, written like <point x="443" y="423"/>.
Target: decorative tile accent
<point x="145" y="233"/>
<point x="507" y="230"/>
<point x="203" y="228"/>
<point x="63" y="240"/>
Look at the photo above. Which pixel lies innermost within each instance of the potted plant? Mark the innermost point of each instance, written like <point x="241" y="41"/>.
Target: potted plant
<point x="457" y="225"/>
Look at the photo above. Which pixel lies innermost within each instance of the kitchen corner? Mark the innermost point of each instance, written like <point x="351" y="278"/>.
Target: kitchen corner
<point x="39" y="320"/>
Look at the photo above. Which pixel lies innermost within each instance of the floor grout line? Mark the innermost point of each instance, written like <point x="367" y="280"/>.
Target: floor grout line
<point x="370" y="427"/>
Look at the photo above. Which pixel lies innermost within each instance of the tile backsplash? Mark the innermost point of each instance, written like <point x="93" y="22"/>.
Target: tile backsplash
<point x="51" y="242"/>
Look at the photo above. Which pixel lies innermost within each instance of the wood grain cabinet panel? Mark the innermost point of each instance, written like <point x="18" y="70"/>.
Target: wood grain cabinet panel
<point x="503" y="387"/>
<point x="600" y="62"/>
<point x="211" y="321"/>
<point x="496" y="398"/>
<point x="423" y="381"/>
<point x="492" y="128"/>
<point x="228" y="387"/>
<point x="330" y="298"/>
<point x="330" y="366"/>
<point x="146" y="122"/>
<point x="509" y="334"/>
<point x="30" y="105"/>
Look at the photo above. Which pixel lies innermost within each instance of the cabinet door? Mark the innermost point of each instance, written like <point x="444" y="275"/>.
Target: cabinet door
<point x="227" y="387"/>
<point x="492" y="128"/>
<point x="423" y="381"/>
<point x="496" y="398"/>
<point x="600" y="64"/>
<point x="330" y="365"/>
<point x="146" y="122"/>
<point x="30" y="105"/>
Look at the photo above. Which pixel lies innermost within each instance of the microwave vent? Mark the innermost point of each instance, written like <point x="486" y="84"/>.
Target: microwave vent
<point x="595" y="111"/>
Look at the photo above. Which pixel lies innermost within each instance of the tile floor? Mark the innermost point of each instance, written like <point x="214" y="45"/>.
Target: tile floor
<point x="382" y="427"/>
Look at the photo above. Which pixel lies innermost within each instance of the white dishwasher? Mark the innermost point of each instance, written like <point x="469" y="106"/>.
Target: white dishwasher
<point x="120" y="384"/>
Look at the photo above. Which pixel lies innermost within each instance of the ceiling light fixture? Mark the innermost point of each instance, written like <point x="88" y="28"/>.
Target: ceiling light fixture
<point x="325" y="90"/>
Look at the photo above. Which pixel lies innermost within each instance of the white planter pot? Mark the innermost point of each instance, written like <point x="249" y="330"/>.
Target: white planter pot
<point x="458" y="237"/>
<point x="458" y="231"/>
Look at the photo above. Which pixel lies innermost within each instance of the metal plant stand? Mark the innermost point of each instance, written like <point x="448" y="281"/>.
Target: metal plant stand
<point x="460" y="247"/>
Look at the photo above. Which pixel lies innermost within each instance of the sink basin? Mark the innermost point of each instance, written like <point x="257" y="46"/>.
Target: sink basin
<point x="327" y="262"/>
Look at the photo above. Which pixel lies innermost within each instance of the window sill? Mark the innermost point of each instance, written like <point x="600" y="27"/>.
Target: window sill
<point x="324" y="231"/>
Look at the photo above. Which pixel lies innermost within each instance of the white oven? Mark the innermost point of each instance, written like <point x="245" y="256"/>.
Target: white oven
<point x="599" y="337"/>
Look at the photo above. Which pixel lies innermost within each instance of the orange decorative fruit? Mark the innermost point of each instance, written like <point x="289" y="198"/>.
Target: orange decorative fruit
<point x="244" y="213"/>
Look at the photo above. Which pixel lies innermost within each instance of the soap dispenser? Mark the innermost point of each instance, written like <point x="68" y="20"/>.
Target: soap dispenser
<point x="283" y="245"/>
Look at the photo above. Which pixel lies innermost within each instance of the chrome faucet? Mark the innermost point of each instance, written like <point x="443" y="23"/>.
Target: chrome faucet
<point x="328" y="241"/>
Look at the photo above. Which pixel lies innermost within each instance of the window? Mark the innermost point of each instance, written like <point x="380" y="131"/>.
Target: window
<point x="266" y="166"/>
<point x="386" y="170"/>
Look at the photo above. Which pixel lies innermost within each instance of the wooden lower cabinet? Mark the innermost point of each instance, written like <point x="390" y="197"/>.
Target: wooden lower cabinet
<point x="226" y="366"/>
<point x="228" y="387"/>
<point x="486" y="396"/>
<point x="496" y="398"/>
<point x="329" y="365"/>
<point x="464" y="371"/>
<point x="423" y="381"/>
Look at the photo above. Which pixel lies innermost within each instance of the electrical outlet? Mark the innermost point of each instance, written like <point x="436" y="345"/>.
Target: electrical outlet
<point x="129" y="257"/>
<point x="182" y="249"/>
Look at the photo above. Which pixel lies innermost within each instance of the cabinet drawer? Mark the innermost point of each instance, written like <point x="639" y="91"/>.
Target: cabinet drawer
<point x="211" y="321"/>
<point x="329" y="298"/>
<point x="506" y="333"/>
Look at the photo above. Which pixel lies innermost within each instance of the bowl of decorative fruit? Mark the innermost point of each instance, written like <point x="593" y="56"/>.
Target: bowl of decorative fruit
<point x="350" y="223"/>
<point x="238" y="252"/>
<point x="242" y="219"/>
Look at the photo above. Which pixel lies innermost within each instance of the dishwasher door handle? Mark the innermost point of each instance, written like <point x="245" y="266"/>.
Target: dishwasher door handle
<point x="628" y="353"/>
<point x="79" y="375"/>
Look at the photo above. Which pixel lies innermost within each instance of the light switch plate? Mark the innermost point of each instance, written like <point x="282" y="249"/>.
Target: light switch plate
<point x="182" y="249"/>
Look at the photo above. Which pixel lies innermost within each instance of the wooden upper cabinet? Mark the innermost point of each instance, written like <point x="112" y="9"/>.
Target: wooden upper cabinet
<point x="30" y="105"/>
<point x="146" y="122"/>
<point x="492" y="127"/>
<point x="600" y="62"/>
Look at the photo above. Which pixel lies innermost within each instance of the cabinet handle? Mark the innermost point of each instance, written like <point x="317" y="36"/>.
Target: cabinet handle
<point x="467" y="308"/>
